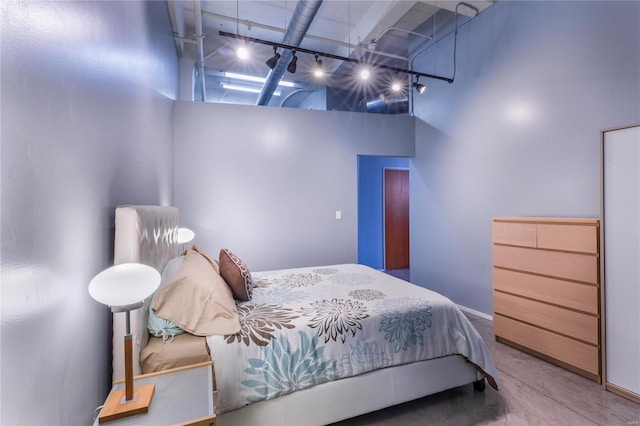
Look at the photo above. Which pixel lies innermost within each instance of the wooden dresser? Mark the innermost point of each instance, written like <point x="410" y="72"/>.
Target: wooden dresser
<point x="546" y="286"/>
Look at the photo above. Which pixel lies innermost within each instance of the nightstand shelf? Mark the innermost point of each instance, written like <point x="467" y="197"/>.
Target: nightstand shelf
<point x="182" y="396"/>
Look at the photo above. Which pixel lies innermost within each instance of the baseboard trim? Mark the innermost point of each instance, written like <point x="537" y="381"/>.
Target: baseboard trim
<point x="630" y="395"/>
<point x="474" y="312"/>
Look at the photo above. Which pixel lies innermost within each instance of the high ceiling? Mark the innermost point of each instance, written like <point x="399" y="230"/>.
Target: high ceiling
<point x="343" y="28"/>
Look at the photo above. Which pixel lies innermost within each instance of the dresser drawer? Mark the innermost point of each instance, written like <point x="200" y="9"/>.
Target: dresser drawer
<point x="564" y="349"/>
<point x="582" y="297"/>
<point x="517" y="234"/>
<point x="570" y="323"/>
<point x="578" y="267"/>
<point x="580" y="238"/>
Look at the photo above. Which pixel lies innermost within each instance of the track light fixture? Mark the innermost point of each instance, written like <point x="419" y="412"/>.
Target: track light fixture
<point x="318" y="71"/>
<point x="273" y="61"/>
<point x="293" y="64"/>
<point x="420" y="88"/>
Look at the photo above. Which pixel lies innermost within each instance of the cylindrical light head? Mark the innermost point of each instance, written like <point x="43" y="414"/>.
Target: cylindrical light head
<point x="124" y="284"/>
<point x="420" y="88"/>
<point x="293" y="64"/>
<point x="318" y="71"/>
<point x="273" y="61"/>
<point x="242" y="52"/>
<point x="396" y="84"/>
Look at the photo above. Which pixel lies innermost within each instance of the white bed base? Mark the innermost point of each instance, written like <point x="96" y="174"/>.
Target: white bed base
<point x="342" y="399"/>
<point x="147" y="234"/>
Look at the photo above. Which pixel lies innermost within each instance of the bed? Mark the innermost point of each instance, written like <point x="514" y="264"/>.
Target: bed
<point x="336" y="334"/>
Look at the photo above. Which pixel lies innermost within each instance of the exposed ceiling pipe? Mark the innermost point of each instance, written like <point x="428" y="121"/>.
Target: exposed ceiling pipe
<point x="178" y="30"/>
<point x="373" y="44"/>
<point x="294" y="95"/>
<point x="381" y="105"/>
<point x="197" y="12"/>
<point x="251" y="24"/>
<point x="300" y="21"/>
<point x="434" y="42"/>
<point x="455" y="36"/>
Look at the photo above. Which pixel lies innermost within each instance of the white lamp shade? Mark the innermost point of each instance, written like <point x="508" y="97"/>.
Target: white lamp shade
<point x="124" y="284"/>
<point x="185" y="235"/>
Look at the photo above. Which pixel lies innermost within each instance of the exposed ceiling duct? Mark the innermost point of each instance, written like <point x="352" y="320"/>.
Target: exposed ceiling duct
<point x="300" y="21"/>
<point x="253" y="24"/>
<point x="200" y="82"/>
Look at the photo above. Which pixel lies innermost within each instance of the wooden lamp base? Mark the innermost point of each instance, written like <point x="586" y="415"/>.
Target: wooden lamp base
<point x="117" y="407"/>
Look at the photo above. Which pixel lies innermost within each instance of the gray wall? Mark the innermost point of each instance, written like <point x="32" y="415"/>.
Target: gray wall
<point x="86" y="94"/>
<point x="266" y="182"/>
<point x="517" y="133"/>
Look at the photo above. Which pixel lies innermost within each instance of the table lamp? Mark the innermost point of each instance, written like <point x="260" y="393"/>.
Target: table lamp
<point x="124" y="288"/>
<point x="184" y="236"/>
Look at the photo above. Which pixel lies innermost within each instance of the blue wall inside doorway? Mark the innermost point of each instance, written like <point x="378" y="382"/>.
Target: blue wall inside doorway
<point x="370" y="206"/>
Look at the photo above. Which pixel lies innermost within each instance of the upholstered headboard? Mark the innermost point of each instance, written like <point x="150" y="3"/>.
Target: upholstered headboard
<point x="148" y="235"/>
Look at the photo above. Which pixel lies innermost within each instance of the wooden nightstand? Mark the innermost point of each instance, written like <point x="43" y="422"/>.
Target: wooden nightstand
<point x="182" y="396"/>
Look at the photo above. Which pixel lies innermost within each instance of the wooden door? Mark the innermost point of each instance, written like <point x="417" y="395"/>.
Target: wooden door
<point x="396" y="218"/>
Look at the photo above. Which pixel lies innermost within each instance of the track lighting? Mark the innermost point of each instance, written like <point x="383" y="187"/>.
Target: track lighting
<point x="273" y="61"/>
<point x="318" y="71"/>
<point x="293" y="64"/>
<point x="365" y="74"/>
<point x="420" y="88"/>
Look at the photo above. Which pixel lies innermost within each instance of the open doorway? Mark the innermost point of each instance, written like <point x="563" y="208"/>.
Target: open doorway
<point x="371" y="209"/>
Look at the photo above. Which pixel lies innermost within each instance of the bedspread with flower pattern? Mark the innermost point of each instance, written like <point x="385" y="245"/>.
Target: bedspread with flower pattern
<point x="308" y="326"/>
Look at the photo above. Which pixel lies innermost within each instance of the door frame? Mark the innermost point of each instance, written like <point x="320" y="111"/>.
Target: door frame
<point x="603" y="302"/>
<point x="384" y="209"/>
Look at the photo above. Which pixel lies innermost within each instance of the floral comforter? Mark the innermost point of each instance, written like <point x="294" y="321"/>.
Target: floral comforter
<point x="308" y="326"/>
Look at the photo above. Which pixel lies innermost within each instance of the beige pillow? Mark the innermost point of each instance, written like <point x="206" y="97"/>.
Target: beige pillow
<point x="197" y="299"/>
<point x="183" y="349"/>
<point x="206" y="255"/>
<point x="236" y="274"/>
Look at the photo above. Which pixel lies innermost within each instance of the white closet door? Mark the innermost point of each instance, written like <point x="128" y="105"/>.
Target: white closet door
<point x="622" y="257"/>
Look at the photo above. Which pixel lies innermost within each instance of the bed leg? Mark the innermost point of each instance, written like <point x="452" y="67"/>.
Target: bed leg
<point x="479" y="385"/>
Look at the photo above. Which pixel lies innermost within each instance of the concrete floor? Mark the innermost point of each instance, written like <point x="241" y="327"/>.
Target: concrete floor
<point x="532" y="392"/>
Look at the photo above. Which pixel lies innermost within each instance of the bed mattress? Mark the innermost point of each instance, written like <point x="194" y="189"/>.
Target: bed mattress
<point x="309" y="326"/>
